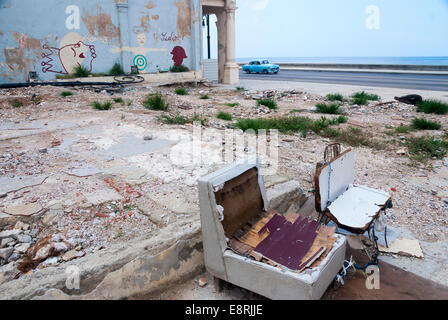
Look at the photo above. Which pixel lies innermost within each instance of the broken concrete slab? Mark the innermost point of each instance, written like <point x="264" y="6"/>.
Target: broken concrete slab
<point x="282" y="196"/>
<point x="5" y="253"/>
<point x="84" y="171"/>
<point x="10" y="234"/>
<point x="8" y="272"/>
<point x="102" y="196"/>
<point x="72" y="254"/>
<point x="24" y="210"/>
<point x="145" y="264"/>
<point x="8" y="185"/>
<point x="21" y="248"/>
<point x="404" y="247"/>
<point x="273" y="180"/>
<point x="151" y="209"/>
<point x="174" y="199"/>
<point x="128" y="173"/>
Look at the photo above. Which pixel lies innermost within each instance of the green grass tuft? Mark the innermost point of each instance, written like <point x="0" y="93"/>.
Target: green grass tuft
<point x="233" y="104"/>
<point x="16" y="103"/>
<point x="180" y="68"/>
<point x="423" y="124"/>
<point x="181" y="91"/>
<point x="271" y="104"/>
<point x="204" y="97"/>
<point x="155" y="101"/>
<point x="361" y="98"/>
<point x="66" y="93"/>
<point x="81" y="72"/>
<point x="424" y="148"/>
<point x="240" y="89"/>
<point x="177" y="119"/>
<point x="332" y="108"/>
<point x="181" y="120"/>
<point x="403" y="129"/>
<point x="119" y="100"/>
<point x="433" y="106"/>
<point x="224" y="116"/>
<point x="335" y="97"/>
<point x="116" y="70"/>
<point x="102" y="106"/>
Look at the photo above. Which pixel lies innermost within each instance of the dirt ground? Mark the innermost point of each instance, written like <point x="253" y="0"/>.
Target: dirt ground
<point x="101" y="177"/>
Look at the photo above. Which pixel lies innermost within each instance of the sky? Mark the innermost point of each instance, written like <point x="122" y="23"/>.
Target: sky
<point x="340" y="28"/>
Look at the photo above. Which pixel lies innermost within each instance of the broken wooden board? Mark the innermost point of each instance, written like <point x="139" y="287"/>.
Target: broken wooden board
<point x="250" y="234"/>
<point x="404" y="247"/>
<point x="288" y="243"/>
<point x="325" y="238"/>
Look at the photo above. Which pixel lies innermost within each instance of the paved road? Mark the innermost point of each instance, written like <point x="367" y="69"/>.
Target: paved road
<point x="404" y="81"/>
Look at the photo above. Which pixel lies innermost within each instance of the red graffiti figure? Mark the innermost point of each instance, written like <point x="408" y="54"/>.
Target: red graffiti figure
<point x="178" y="55"/>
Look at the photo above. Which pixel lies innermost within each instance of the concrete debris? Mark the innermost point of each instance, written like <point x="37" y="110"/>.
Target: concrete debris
<point x="202" y="282"/>
<point x="48" y="246"/>
<point x="10" y="234"/>
<point x="72" y="254"/>
<point x="107" y="180"/>
<point x="5" y="253"/>
<point x="22" y="248"/>
<point x="24" y="210"/>
<point x="404" y="247"/>
<point x="21" y="226"/>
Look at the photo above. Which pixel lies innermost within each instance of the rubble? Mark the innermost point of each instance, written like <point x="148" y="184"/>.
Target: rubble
<point x="83" y="150"/>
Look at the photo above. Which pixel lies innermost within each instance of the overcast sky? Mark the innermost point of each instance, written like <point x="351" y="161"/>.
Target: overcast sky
<point x="341" y="28"/>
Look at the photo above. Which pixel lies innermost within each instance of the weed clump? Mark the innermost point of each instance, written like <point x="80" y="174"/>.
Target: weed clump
<point x="271" y="104"/>
<point x="423" y="124"/>
<point x="224" y="116"/>
<point x="155" y="101"/>
<point x="361" y="98"/>
<point x="335" y="97"/>
<point x="181" y="91"/>
<point x="102" y="106"/>
<point x="433" y="106"/>
<point x="333" y="108"/>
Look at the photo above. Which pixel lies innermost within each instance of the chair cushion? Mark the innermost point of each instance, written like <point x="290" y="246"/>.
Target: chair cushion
<point x="357" y="207"/>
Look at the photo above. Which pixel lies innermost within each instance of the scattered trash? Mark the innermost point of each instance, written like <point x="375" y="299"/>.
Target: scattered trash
<point x="413" y="99"/>
<point x="202" y="282"/>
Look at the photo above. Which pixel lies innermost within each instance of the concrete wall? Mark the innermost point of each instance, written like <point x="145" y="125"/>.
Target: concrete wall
<point x="52" y="37"/>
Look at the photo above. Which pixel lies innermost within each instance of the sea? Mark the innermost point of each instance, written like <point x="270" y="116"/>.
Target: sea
<point x="426" y="61"/>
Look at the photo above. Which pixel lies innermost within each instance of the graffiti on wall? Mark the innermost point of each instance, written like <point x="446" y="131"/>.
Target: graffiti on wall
<point x="178" y="55"/>
<point x="101" y="25"/>
<point x="183" y="18"/>
<point x="71" y="53"/>
<point x="140" y="52"/>
<point x="19" y="60"/>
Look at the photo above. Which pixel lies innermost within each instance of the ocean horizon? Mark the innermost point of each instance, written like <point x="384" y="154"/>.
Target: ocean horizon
<point x="425" y="61"/>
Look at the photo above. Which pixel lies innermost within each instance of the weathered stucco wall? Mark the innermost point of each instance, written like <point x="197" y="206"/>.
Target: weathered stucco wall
<point x="52" y="37"/>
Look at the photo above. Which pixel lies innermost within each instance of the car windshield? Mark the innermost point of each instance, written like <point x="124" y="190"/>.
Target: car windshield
<point x="265" y="62"/>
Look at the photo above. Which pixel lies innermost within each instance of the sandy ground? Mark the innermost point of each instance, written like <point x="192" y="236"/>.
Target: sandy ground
<point x="99" y="177"/>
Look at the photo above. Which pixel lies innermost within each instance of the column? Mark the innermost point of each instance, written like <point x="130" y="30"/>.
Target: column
<point x="231" y="69"/>
<point x="123" y="24"/>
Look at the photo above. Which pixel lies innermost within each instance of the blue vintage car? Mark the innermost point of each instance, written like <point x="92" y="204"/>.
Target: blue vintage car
<point x="261" y="66"/>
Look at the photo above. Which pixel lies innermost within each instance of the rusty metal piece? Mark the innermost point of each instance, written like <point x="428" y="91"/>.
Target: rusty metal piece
<point x="332" y="151"/>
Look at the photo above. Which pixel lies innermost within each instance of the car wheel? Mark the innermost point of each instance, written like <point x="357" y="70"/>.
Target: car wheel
<point x="275" y="72"/>
<point x="265" y="71"/>
<point x="248" y="71"/>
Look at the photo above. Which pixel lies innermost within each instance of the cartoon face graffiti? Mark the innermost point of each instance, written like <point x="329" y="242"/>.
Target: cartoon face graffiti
<point x="73" y="55"/>
<point x="72" y="52"/>
<point x="141" y="39"/>
<point x="178" y="55"/>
